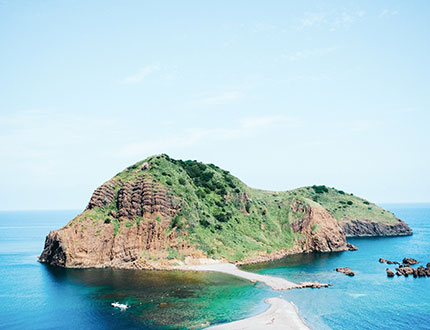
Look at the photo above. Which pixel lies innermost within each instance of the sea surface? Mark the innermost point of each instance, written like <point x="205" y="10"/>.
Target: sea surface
<point x="36" y="296"/>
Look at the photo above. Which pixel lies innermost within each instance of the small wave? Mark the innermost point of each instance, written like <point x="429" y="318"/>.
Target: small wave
<point x="357" y="295"/>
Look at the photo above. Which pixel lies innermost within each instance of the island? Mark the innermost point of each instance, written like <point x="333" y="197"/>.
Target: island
<point x="162" y="213"/>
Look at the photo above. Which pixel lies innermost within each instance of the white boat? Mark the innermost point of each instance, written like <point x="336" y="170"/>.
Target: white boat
<point x="122" y="307"/>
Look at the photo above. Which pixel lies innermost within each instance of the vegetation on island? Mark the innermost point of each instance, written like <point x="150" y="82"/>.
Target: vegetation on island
<point x="222" y="216"/>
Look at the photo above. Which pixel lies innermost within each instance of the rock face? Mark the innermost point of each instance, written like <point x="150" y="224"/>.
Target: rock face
<point x="77" y="248"/>
<point x="357" y="228"/>
<point x="80" y="244"/>
<point x="321" y="231"/>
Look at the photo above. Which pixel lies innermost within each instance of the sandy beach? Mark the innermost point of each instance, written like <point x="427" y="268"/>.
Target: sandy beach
<point x="280" y="315"/>
<point x="275" y="283"/>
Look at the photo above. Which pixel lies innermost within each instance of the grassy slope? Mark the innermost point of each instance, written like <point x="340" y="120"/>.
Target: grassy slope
<point x="345" y="206"/>
<point x="225" y="218"/>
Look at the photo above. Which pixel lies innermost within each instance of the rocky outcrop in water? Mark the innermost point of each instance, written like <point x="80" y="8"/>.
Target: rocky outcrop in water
<point x="358" y="228"/>
<point x="405" y="269"/>
<point x="389" y="262"/>
<point x="345" y="270"/>
<point x="410" y="261"/>
<point x="313" y="285"/>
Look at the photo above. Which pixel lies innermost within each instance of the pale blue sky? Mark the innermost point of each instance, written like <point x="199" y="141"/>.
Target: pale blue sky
<point x="281" y="93"/>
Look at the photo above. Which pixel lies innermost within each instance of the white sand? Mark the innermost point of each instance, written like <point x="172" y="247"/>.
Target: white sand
<point x="275" y="283"/>
<point x="280" y="315"/>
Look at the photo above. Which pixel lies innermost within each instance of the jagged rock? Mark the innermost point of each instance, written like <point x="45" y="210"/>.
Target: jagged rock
<point x="410" y="261"/>
<point x="345" y="270"/>
<point x="421" y="271"/>
<point x="313" y="285"/>
<point x="408" y="270"/>
<point x="389" y="262"/>
<point x="389" y="272"/>
<point x="357" y="228"/>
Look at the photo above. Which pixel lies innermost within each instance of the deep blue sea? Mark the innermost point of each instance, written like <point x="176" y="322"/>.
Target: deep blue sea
<point x="35" y="296"/>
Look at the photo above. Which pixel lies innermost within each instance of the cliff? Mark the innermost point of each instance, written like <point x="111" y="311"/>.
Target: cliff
<point x="162" y="213"/>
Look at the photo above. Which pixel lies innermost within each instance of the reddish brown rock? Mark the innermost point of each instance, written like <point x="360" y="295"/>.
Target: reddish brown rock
<point x="345" y="270"/>
<point x="410" y="261"/>
<point x="389" y="272"/>
<point x="320" y="230"/>
<point x="389" y="262"/>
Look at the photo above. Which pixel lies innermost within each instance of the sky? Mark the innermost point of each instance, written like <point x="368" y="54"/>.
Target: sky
<point x="283" y="94"/>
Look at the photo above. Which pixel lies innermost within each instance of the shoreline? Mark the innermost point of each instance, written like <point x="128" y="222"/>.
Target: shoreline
<point x="281" y="314"/>
<point x="276" y="283"/>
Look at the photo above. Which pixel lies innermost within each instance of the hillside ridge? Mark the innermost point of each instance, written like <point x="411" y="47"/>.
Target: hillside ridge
<point x="162" y="213"/>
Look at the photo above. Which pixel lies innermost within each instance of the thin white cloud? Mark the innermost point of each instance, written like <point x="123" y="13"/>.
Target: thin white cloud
<point x="246" y="128"/>
<point x="312" y="19"/>
<point x="333" y="20"/>
<point x="305" y="54"/>
<point x="141" y="75"/>
<point x="388" y="12"/>
<point x="262" y="122"/>
<point x="310" y="78"/>
<point x="223" y="98"/>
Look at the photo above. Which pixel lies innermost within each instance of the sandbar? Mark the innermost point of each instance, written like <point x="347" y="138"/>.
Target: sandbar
<point x="275" y="283"/>
<point x="280" y="315"/>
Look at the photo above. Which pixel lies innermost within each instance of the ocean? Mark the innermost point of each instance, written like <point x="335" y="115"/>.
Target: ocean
<point x="36" y="296"/>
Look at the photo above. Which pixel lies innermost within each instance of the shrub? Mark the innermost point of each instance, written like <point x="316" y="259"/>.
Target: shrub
<point x="176" y="222"/>
<point x="129" y="224"/>
<point x="221" y="215"/>
<point x="173" y="254"/>
<point x="247" y="206"/>
<point x="200" y="193"/>
<point x="366" y="202"/>
<point x="349" y="202"/>
<point x="204" y="223"/>
<point x="107" y="220"/>
<point x="320" y="189"/>
<point x="341" y="192"/>
<point x="116" y="226"/>
<point x="182" y="181"/>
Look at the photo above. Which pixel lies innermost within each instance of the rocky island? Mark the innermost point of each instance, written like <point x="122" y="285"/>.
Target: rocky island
<point x="163" y="213"/>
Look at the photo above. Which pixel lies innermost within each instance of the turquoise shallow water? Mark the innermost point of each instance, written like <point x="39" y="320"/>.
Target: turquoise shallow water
<point x="34" y="296"/>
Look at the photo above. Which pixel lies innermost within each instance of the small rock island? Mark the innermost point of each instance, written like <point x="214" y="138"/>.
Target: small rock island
<point x="163" y="213"/>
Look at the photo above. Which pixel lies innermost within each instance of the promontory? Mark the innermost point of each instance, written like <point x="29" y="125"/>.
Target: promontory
<point x="162" y="213"/>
